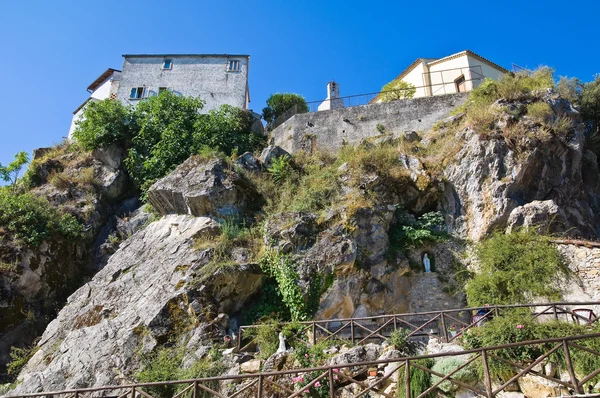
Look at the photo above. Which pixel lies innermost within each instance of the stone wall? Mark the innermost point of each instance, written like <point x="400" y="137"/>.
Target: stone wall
<point x="585" y="263"/>
<point x="329" y="130"/>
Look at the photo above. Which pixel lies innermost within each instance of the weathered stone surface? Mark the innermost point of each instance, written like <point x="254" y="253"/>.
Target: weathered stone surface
<point x="271" y="153"/>
<point x="363" y="353"/>
<point x="252" y="366"/>
<point x="202" y="187"/>
<point x="143" y="295"/>
<point x="537" y="387"/>
<point x="111" y="156"/>
<point x="249" y="162"/>
<point x="275" y="362"/>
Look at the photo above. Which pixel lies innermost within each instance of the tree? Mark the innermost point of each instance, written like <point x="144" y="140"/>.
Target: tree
<point x="590" y="104"/>
<point x="397" y="89"/>
<point x="279" y="103"/>
<point x="103" y="123"/>
<point x="11" y="172"/>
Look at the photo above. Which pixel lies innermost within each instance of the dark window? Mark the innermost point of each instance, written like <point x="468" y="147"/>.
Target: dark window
<point x="137" y="93"/>
<point x="233" y="66"/>
<point x="167" y="64"/>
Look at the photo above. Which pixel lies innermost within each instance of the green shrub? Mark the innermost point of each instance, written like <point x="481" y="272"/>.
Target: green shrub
<point x="516" y="268"/>
<point x="11" y="172"/>
<point x="281" y="169"/>
<point x="104" y="123"/>
<point x="517" y="326"/>
<point x="521" y="85"/>
<point x="589" y="104"/>
<point x="411" y="233"/>
<point x="266" y="337"/>
<point x="29" y="219"/>
<point x="165" y="365"/>
<point x="397" y="89"/>
<point x="399" y="340"/>
<point x="420" y="380"/>
<point x="481" y="118"/>
<point x="447" y="365"/>
<point x="541" y="112"/>
<point x="19" y="358"/>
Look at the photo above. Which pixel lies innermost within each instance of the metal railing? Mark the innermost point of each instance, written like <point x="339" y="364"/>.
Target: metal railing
<point x="356" y="376"/>
<point x="446" y="325"/>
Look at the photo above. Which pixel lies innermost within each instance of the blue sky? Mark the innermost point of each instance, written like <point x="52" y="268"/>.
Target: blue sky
<point x="52" y="50"/>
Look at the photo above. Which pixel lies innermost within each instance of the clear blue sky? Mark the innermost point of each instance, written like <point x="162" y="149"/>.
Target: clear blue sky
<point x="52" y="50"/>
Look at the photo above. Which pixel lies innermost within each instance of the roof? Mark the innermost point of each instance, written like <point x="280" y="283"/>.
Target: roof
<point x="185" y="55"/>
<point x="471" y="54"/>
<point x="107" y="73"/>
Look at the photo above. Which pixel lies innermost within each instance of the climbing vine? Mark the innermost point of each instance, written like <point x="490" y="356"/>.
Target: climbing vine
<point x="282" y="269"/>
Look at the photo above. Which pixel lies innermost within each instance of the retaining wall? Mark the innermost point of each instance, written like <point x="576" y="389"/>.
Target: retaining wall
<point x="330" y="130"/>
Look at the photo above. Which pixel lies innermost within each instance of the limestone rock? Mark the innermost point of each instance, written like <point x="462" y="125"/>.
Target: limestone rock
<point x="133" y="304"/>
<point x="111" y="156"/>
<point x="537" y="387"/>
<point x="275" y="362"/>
<point x="252" y="366"/>
<point x="202" y="187"/>
<point x="271" y="153"/>
<point x="363" y="353"/>
<point x="249" y="162"/>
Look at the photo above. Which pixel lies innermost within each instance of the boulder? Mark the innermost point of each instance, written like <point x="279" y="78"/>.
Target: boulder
<point x="275" y="362"/>
<point x="111" y="156"/>
<point x="271" y="153"/>
<point x="252" y="366"/>
<point x="248" y="162"/>
<point x="202" y="187"/>
<point x="537" y="387"/>
<point x="363" y="353"/>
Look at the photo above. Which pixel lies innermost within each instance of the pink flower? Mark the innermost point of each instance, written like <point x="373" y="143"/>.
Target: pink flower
<point x="519" y="326"/>
<point x="307" y="391"/>
<point x="335" y="377"/>
<point x="318" y="384"/>
<point x="306" y="355"/>
<point x="336" y="370"/>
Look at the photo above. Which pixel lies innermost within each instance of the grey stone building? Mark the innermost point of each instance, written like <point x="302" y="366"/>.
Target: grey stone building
<point x="215" y="78"/>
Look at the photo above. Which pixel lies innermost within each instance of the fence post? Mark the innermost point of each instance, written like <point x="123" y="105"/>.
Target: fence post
<point x="352" y="331"/>
<point x="239" y="342"/>
<point x="395" y="323"/>
<point x="314" y="334"/>
<point x="132" y="392"/>
<point x="496" y="311"/>
<point x="331" y="389"/>
<point x="407" y="378"/>
<point x="570" y="367"/>
<point x="444" y="328"/>
<point x="554" y="310"/>
<point x="260" y="386"/>
<point x="195" y="388"/>
<point x="486" y="371"/>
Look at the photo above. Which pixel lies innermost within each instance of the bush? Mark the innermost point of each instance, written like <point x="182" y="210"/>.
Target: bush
<point x="589" y="104"/>
<point x="397" y="89"/>
<point x="279" y="103"/>
<point x="411" y="233"/>
<point x="447" y="365"/>
<point x="541" y="112"/>
<point x="11" y="172"/>
<point x="516" y="268"/>
<point x="19" y="358"/>
<point x="399" y="340"/>
<point x="104" y="123"/>
<point x="165" y="365"/>
<point x="420" y="380"/>
<point x="29" y="219"/>
<point x="281" y="169"/>
<point x="518" y="326"/>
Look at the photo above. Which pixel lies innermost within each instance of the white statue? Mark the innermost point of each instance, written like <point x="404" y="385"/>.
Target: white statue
<point x="281" y="344"/>
<point x="426" y="263"/>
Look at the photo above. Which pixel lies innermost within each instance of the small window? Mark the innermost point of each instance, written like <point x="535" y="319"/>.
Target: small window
<point x="233" y="66"/>
<point x="161" y="89"/>
<point x="461" y="84"/>
<point x="138" y="93"/>
<point x="167" y="64"/>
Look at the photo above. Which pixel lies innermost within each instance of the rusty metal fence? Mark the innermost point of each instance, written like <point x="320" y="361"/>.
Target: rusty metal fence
<point x="364" y="378"/>
<point x="446" y="325"/>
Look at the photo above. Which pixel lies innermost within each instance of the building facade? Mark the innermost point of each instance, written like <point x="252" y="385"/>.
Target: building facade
<point x="105" y="86"/>
<point x="456" y="73"/>
<point x="216" y="79"/>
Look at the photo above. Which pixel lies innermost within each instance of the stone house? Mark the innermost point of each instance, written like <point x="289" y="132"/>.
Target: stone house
<point x="456" y="73"/>
<point x="217" y="79"/>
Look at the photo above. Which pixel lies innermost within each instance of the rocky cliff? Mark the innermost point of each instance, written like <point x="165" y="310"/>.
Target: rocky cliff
<point x="329" y="235"/>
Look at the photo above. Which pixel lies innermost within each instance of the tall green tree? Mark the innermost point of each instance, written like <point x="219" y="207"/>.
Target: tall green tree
<point x="279" y="103"/>
<point x="397" y="89"/>
<point x="589" y="104"/>
<point x="11" y="172"/>
<point x="105" y="122"/>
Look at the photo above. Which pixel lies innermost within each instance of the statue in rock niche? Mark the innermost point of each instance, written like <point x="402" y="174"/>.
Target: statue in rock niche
<point x="281" y="344"/>
<point x="426" y="263"/>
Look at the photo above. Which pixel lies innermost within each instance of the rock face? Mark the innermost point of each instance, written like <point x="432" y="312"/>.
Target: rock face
<point x="494" y="186"/>
<point x="143" y="297"/>
<point x="202" y="187"/>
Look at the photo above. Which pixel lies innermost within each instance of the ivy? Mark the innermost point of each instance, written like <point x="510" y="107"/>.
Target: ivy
<point x="282" y="269"/>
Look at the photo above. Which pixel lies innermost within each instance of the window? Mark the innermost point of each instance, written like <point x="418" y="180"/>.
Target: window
<point x="461" y="84"/>
<point x="167" y="64"/>
<point x="138" y="93"/>
<point x="233" y="66"/>
<point x="161" y="89"/>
